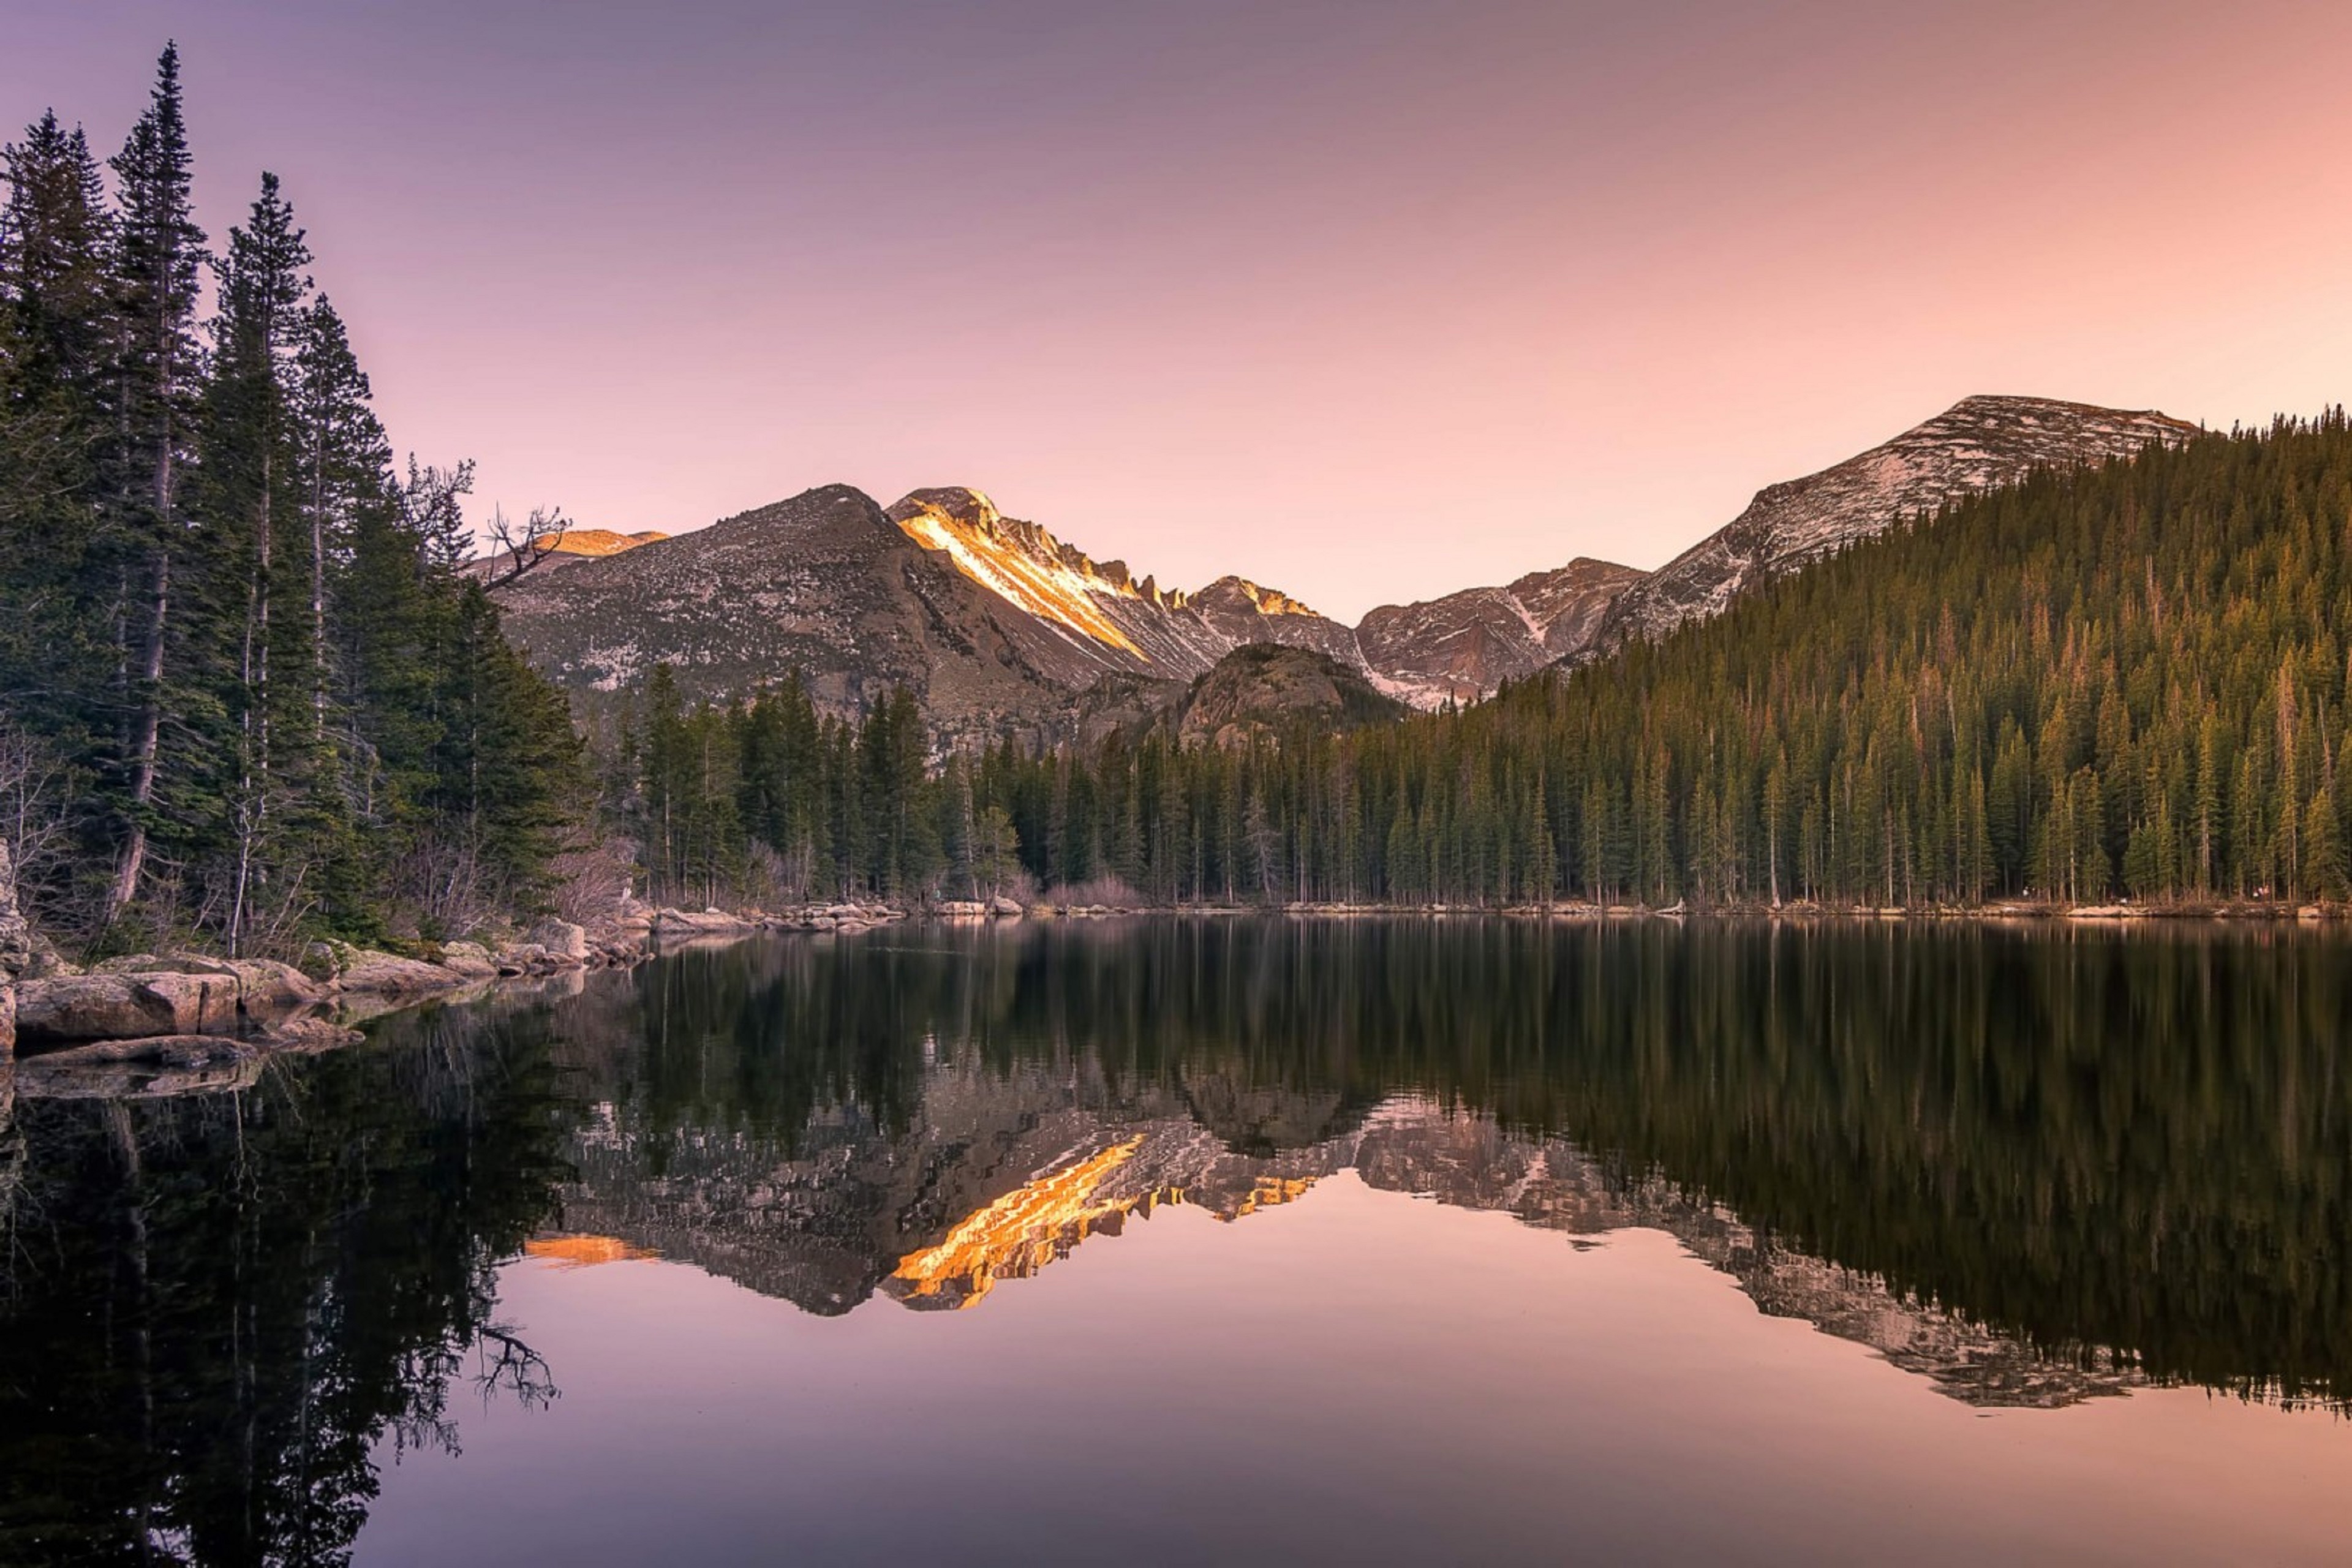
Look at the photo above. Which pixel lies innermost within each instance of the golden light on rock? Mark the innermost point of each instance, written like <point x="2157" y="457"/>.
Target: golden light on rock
<point x="1040" y="582"/>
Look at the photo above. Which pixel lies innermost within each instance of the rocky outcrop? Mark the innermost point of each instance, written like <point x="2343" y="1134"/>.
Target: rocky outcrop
<point x="368" y="970"/>
<point x="1462" y="646"/>
<point x="1264" y="690"/>
<point x="116" y="1006"/>
<point x="559" y="940"/>
<point x="469" y="960"/>
<point x="1978" y="445"/>
<point x="262" y="985"/>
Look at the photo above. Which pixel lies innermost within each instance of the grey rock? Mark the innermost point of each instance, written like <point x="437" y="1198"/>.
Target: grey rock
<point x="364" y="969"/>
<point x="470" y="959"/>
<point x="562" y="939"/>
<point x="124" y="1006"/>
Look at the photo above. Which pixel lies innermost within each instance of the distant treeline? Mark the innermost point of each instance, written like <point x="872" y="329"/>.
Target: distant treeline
<point x="2127" y="680"/>
<point x="244" y="693"/>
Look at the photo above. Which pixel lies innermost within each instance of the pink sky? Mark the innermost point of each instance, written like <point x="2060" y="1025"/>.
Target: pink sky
<point x="1367" y="301"/>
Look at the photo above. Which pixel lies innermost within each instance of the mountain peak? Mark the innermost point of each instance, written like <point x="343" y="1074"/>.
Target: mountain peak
<point x="955" y="503"/>
<point x="1980" y="442"/>
<point x="1240" y="591"/>
<point x="1983" y="405"/>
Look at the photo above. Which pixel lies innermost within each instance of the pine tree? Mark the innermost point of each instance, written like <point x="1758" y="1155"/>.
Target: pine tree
<point x="159" y="259"/>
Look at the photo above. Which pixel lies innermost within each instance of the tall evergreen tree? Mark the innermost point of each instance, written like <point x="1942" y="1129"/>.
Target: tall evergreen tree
<point x="159" y="261"/>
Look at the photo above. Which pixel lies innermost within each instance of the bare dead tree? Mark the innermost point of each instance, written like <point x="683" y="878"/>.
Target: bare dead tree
<point x="32" y="802"/>
<point x="521" y="546"/>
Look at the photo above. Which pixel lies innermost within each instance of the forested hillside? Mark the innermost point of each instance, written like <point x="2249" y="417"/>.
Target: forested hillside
<point x="243" y="694"/>
<point x="2123" y="681"/>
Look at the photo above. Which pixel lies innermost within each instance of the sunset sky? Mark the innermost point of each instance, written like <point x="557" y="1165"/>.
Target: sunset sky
<point x="1367" y="301"/>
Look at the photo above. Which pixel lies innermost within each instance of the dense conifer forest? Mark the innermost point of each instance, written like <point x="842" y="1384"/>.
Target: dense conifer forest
<point x="2124" y="682"/>
<point x="244" y="695"/>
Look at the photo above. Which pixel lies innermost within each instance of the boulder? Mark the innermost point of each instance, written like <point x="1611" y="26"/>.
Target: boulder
<point x="562" y="939"/>
<point x="1001" y="905"/>
<point x="706" y="922"/>
<point x="522" y="958"/>
<point x="380" y="974"/>
<point x="72" y="1008"/>
<point x="263" y="985"/>
<point x="469" y="960"/>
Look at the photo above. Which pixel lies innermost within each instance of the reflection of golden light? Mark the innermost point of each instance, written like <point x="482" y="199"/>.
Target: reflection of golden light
<point x="585" y="1251"/>
<point x="1268" y="1191"/>
<point x="1023" y="1231"/>
<point x="1020" y="1233"/>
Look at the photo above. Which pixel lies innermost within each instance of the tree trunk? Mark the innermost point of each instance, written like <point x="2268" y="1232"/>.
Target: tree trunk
<point x="146" y="729"/>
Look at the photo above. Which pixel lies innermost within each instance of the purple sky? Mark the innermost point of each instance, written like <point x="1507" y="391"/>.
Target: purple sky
<point x="1366" y="300"/>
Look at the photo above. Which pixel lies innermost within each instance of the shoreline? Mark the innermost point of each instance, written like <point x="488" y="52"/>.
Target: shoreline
<point x="197" y="1024"/>
<point x="2013" y="911"/>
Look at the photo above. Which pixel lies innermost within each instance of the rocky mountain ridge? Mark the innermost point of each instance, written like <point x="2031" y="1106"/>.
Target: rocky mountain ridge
<point x="1000" y="628"/>
<point x="1976" y="445"/>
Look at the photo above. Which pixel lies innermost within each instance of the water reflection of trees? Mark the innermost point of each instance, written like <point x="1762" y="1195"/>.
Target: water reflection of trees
<point x="2090" y="1137"/>
<point x="214" y="1306"/>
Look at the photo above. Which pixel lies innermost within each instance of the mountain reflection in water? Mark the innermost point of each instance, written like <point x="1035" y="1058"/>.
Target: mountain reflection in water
<point x="2030" y="1166"/>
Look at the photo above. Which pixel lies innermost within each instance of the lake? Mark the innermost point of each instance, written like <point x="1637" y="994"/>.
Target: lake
<point x="1168" y="1240"/>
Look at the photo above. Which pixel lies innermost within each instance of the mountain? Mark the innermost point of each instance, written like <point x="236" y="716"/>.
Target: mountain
<point x="1462" y="646"/>
<point x="1000" y="628"/>
<point x="1976" y="445"/>
<point x="995" y="626"/>
<point x="824" y="583"/>
<point x="1264" y="690"/>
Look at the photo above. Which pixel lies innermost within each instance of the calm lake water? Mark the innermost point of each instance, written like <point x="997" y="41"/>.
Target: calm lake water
<point x="1171" y="1241"/>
